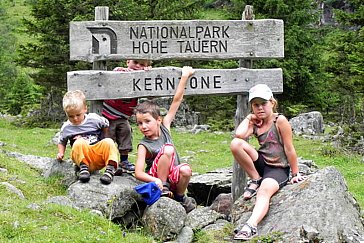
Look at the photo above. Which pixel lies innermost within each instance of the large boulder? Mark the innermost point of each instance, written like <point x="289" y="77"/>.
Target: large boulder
<point x="319" y="209"/>
<point x="311" y="123"/>
<point x="113" y="201"/>
<point x="164" y="219"/>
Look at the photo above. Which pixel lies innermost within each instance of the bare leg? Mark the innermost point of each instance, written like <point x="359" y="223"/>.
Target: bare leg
<point x="185" y="174"/>
<point x="267" y="189"/>
<point x="245" y="155"/>
<point x="164" y="163"/>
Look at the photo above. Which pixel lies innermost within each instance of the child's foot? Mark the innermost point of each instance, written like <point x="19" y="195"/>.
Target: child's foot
<point x="189" y="204"/>
<point x="108" y="175"/>
<point x="84" y="174"/>
<point x="127" y="166"/>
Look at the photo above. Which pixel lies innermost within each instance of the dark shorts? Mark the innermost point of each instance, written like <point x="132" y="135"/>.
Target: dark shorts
<point x="121" y="132"/>
<point x="281" y="175"/>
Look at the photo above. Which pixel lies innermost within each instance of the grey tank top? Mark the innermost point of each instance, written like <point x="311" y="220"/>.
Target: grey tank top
<point x="154" y="146"/>
<point x="271" y="146"/>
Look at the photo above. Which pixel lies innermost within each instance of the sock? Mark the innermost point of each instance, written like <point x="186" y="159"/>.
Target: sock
<point x="124" y="157"/>
<point x="179" y="198"/>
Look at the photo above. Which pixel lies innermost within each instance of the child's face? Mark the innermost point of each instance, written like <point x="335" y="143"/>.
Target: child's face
<point x="137" y="64"/>
<point x="77" y="115"/>
<point x="262" y="108"/>
<point x="148" y="125"/>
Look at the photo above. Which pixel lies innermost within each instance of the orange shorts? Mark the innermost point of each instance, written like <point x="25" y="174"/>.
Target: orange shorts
<point x="96" y="156"/>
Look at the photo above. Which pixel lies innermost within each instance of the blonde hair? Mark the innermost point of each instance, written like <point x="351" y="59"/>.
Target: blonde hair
<point x="74" y="99"/>
<point x="275" y="104"/>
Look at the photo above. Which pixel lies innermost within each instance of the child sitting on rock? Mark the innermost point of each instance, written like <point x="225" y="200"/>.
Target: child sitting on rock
<point x="157" y="151"/>
<point x="85" y="132"/>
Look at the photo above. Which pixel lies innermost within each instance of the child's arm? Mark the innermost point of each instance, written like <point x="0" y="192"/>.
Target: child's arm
<point x="245" y="128"/>
<point x="61" y="150"/>
<point x="139" y="168"/>
<point x="178" y="96"/>
<point x="105" y="132"/>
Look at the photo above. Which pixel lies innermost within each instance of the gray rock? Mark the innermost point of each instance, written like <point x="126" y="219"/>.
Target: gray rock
<point x="61" y="200"/>
<point x="311" y="123"/>
<point x="13" y="189"/>
<point x="165" y="219"/>
<point x="317" y="209"/>
<point x="201" y="217"/>
<point x="113" y="200"/>
<point x="186" y="235"/>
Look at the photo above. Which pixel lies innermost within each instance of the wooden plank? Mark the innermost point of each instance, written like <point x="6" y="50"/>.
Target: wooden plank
<point x="99" y="85"/>
<point x="178" y="39"/>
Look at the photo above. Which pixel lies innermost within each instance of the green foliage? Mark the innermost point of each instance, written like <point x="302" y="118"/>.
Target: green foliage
<point x="23" y="95"/>
<point x="18" y="93"/>
<point x="294" y="110"/>
<point x="343" y="63"/>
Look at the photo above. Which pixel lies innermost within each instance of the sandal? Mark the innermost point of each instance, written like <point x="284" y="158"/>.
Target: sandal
<point x="247" y="232"/>
<point x="252" y="191"/>
<point x="166" y="192"/>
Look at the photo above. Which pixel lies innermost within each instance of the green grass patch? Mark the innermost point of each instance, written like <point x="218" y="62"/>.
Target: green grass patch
<point x="35" y="141"/>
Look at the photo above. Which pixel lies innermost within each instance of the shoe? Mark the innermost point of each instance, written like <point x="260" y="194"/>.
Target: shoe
<point x="247" y="232"/>
<point x="127" y="166"/>
<point x="189" y="204"/>
<point x="84" y="174"/>
<point x="108" y="175"/>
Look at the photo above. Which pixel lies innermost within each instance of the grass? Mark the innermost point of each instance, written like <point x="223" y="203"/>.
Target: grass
<point x="205" y="151"/>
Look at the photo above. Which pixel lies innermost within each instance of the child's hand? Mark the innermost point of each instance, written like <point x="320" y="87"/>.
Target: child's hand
<point x="298" y="178"/>
<point x="159" y="183"/>
<point x="147" y="68"/>
<point x="119" y="69"/>
<point x="60" y="156"/>
<point x="187" y="71"/>
<point x="256" y="121"/>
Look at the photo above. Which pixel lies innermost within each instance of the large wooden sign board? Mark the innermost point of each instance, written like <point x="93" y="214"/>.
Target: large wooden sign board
<point x="99" y="85"/>
<point x="248" y="39"/>
<point x="178" y="39"/>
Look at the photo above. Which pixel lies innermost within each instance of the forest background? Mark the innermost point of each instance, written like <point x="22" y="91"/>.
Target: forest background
<point x="322" y="68"/>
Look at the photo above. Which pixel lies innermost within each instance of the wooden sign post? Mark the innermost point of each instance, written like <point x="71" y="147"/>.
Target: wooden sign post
<point x="247" y="39"/>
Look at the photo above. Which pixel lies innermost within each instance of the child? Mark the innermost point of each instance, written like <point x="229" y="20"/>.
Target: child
<point x="118" y="113"/>
<point x="156" y="149"/>
<point x="268" y="167"/>
<point x="84" y="131"/>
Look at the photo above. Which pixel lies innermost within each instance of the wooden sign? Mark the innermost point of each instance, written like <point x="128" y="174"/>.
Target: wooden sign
<point x="99" y="85"/>
<point x="178" y="39"/>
